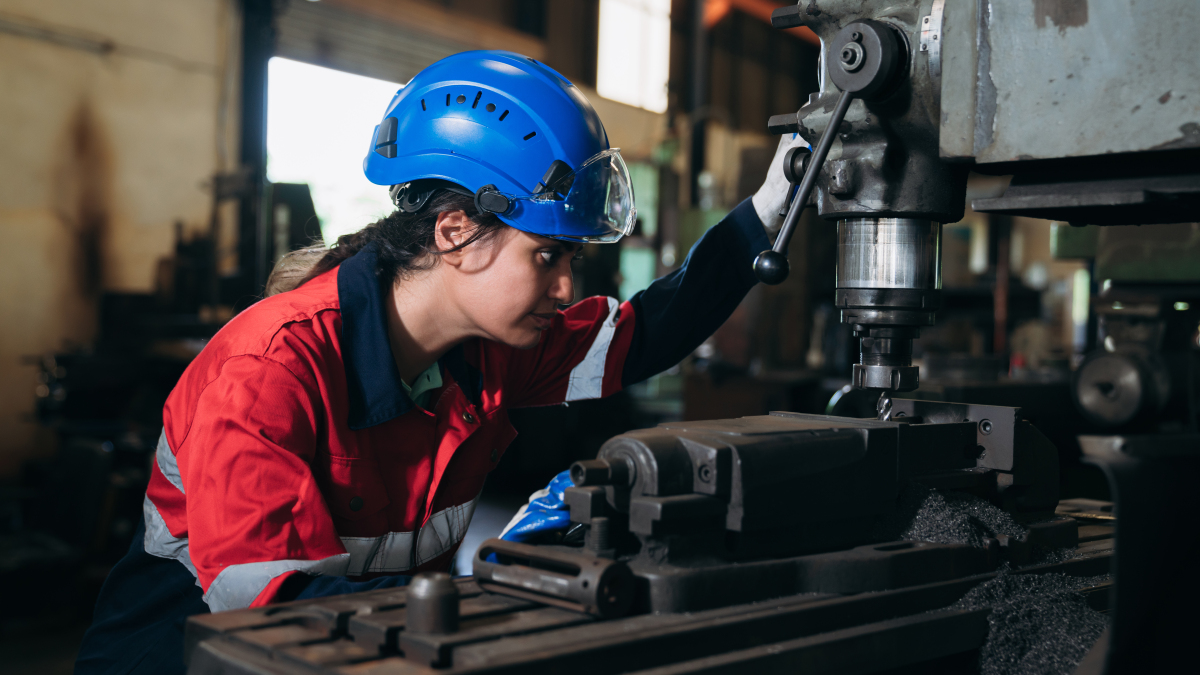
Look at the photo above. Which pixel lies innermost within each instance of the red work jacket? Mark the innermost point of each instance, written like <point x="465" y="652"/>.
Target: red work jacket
<point x="290" y="447"/>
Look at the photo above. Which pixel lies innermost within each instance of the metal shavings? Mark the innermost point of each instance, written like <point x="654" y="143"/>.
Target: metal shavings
<point x="924" y="514"/>
<point x="1039" y="623"/>
<point x="1055" y="556"/>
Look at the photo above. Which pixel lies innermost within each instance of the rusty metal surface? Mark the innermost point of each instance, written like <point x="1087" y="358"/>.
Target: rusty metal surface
<point x="1072" y="78"/>
<point x="959" y="61"/>
<point x="870" y="632"/>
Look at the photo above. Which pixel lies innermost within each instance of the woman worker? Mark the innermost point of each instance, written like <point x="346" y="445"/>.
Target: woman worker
<point x="334" y="438"/>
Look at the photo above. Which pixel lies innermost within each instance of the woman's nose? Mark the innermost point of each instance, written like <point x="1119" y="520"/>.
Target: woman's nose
<point x="562" y="291"/>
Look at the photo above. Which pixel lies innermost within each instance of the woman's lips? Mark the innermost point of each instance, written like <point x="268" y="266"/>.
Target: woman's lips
<point x="542" y="321"/>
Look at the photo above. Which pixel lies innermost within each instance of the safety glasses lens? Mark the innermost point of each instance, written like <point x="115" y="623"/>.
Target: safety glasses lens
<point x="601" y="197"/>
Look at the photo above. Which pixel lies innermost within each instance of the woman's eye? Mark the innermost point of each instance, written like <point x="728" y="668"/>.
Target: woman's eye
<point x="549" y="258"/>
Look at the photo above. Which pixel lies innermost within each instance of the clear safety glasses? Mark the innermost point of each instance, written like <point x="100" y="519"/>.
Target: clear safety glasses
<point x="594" y="203"/>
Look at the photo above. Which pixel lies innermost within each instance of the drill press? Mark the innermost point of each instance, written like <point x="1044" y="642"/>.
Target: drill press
<point x="875" y="170"/>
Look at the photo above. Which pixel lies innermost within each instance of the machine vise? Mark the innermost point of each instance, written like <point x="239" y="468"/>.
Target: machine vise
<point x="719" y="512"/>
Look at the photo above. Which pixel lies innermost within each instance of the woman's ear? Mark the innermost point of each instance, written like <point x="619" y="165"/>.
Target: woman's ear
<point x="452" y="229"/>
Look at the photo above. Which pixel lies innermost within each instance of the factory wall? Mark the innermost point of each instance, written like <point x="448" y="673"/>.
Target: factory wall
<point x="114" y="117"/>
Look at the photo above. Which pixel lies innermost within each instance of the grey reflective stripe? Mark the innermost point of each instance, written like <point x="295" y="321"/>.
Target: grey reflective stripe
<point x="362" y="550"/>
<point x="443" y="531"/>
<point x="587" y="378"/>
<point x="166" y="462"/>
<point x="238" y="585"/>
<point x="394" y="551"/>
<point x="160" y="542"/>
<point x="394" y="554"/>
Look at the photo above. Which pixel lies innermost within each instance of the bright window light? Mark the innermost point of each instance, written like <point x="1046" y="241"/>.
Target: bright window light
<point x="635" y="52"/>
<point x="319" y="127"/>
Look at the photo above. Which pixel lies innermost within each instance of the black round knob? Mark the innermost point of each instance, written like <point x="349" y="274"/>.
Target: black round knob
<point x="617" y="471"/>
<point x="432" y="604"/>
<point x="591" y="472"/>
<point x="795" y="163"/>
<point x="771" y="267"/>
<point x="869" y="57"/>
<point x="852" y="57"/>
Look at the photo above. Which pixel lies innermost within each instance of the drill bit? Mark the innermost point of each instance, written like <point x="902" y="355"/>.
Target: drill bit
<point x="884" y="406"/>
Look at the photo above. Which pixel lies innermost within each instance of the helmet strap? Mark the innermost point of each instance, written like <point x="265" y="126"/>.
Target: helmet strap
<point x="409" y="198"/>
<point x="412" y="197"/>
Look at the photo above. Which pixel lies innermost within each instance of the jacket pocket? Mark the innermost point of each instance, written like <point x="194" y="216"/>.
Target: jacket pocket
<point x="355" y="492"/>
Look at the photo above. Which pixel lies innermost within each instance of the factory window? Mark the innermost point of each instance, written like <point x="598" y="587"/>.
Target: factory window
<point x="319" y="126"/>
<point x="639" y="261"/>
<point x="634" y="53"/>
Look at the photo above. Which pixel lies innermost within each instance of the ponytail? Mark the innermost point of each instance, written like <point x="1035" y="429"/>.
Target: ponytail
<point x="404" y="244"/>
<point x="292" y="269"/>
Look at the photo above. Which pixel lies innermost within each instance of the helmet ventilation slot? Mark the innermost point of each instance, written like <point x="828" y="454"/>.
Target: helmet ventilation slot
<point x="475" y="104"/>
<point x="530" y="135"/>
<point x="423" y="105"/>
<point x="461" y="99"/>
<point x="491" y="107"/>
<point x="447" y="99"/>
<point x="503" y="115"/>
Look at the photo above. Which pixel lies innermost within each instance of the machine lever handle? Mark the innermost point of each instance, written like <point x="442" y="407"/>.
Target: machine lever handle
<point x="771" y="266"/>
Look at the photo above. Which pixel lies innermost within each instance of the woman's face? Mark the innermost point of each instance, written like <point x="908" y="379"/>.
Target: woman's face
<point x="510" y="285"/>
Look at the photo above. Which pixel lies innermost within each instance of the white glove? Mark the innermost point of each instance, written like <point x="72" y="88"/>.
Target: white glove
<point x="771" y="197"/>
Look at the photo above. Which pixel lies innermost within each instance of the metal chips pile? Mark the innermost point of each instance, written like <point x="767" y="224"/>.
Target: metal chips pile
<point x="1039" y="622"/>
<point x="924" y="514"/>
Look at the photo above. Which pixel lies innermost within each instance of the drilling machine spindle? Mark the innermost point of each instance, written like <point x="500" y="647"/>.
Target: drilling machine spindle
<point x="889" y="265"/>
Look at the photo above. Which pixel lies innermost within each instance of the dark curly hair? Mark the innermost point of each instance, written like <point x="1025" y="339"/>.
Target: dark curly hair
<point x="404" y="243"/>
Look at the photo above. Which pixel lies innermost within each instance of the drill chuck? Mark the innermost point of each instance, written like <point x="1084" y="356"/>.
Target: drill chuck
<point x="888" y="287"/>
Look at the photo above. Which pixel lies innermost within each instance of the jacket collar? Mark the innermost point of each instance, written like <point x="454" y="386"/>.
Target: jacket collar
<point x="372" y="380"/>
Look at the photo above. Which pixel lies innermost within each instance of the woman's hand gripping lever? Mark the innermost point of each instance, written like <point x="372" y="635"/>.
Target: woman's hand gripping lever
<point x="868" y="65"/>
<point x="771" y="266"/>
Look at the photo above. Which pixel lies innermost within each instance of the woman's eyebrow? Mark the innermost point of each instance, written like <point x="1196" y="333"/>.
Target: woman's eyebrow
<point x="565" y="246"/>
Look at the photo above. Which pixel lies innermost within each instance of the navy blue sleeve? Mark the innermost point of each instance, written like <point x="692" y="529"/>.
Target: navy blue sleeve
<point x="306" y="587"/>
<point x="682" y="309"/>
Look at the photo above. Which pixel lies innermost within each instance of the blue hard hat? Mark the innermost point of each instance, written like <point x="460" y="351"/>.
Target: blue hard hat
<point x="513" y="133"/>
